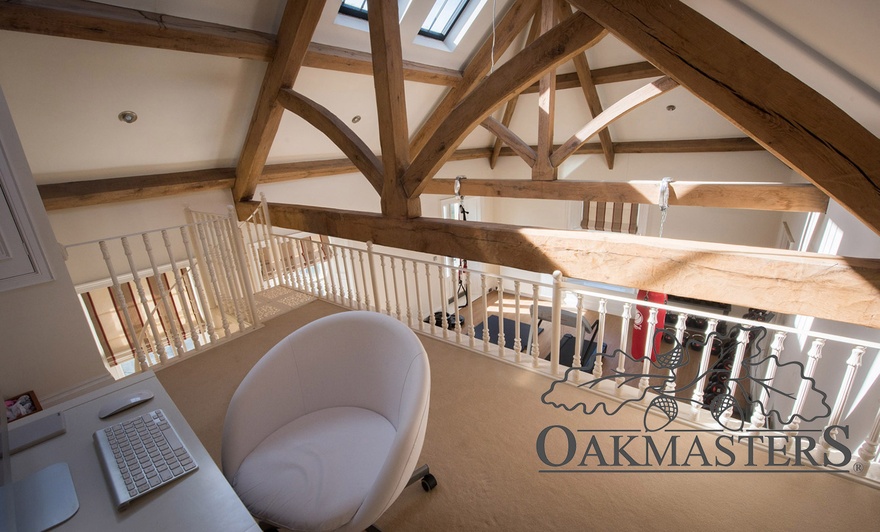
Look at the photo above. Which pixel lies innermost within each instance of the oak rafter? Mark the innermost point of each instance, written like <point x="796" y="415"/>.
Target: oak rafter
<point x="298" y="23"/>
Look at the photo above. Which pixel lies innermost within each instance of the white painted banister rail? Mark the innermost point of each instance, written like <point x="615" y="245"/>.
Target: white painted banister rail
<point x="161" y="308"/>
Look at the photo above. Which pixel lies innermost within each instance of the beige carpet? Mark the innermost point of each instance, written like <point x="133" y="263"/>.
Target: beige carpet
<point x="481" y="444"/>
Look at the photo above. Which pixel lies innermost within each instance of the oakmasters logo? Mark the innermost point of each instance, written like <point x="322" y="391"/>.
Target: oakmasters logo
<point x="731" y="444"/>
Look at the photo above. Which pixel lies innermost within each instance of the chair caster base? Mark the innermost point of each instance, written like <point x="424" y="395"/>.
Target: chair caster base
<point x="429" y="482"/>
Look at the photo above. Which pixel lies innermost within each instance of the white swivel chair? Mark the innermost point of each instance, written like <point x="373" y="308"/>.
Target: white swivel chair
<point x="324" y="432"/>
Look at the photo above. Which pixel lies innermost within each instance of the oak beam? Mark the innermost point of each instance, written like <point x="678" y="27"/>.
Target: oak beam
<point x="778" y="280"/>
<point x="569" y="37"/>
<point x="510" y="138"/>
<point x="73" y="194"/>
<point x="101" y="191"/>
<point x="94" y="21"/>
<point x="614" y="74"/>
<point x="297" y="26"/>
<point x="506" y="118"/>
<point x="391" y="109"/>
<point x="337" y="131"/>
<point x="543" y="170"/>
<point x="615" y="111"/>
<point x="791" y="120"/>
<point x="344" y="60"/>
<point x="729" y="195"/>
<point x="505" y="31"/>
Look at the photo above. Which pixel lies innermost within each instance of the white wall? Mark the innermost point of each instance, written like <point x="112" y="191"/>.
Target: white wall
<point x="46" y="342"/>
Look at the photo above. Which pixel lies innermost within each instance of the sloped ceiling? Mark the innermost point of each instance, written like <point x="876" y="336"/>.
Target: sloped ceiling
<point x="194" y="109"/>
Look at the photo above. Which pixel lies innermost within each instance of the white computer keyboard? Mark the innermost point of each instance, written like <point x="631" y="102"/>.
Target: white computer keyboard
<point x="141" y="454"/>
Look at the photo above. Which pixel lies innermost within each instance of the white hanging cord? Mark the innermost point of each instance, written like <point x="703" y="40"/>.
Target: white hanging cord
<point x="492" y="66"/>
<point x="664" y="201"/>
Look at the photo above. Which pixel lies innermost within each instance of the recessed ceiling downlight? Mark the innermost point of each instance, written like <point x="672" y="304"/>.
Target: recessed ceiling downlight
<point x="128" y="116"/>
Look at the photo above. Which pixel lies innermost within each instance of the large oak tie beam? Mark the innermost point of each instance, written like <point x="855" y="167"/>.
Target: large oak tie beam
<point x="836" y="288"/>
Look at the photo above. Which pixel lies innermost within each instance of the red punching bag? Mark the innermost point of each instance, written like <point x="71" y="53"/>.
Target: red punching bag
<point x="640" y="324"/>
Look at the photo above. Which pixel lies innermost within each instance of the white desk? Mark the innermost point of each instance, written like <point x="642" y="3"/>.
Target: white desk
<point x="203" y="500"/>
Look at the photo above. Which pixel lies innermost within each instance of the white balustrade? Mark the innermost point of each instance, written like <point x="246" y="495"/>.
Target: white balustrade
<point x="220" y="269"/>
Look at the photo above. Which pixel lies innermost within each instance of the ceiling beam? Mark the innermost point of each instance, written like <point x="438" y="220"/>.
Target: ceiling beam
<point x="601" y="76"/>
<point x="344" y="60"/>
<point x="734" y="195"/>
<point x="561" y="43"/>
<point x="80" y="19"/>
<point x="100" y="191"/>
<point x="791" y="120"/>
<point x="779" y="280"/>
<point x="336" y="130"/>
<point x="93" y="21"/>
<point x="297" y="26"/>
<point x="74" y="194"/>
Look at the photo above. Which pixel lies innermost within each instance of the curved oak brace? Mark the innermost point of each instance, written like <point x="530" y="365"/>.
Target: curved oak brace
<point x="570" y="37"/>
<point x="336" y="130"/>
<point x="510" y="138"/>
<point x="620" y="108"/>
<point x="791" y="120"/>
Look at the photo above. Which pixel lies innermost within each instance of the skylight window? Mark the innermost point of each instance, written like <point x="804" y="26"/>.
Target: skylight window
<point x="442" y="18"/>
<point x="354" y="8"/>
